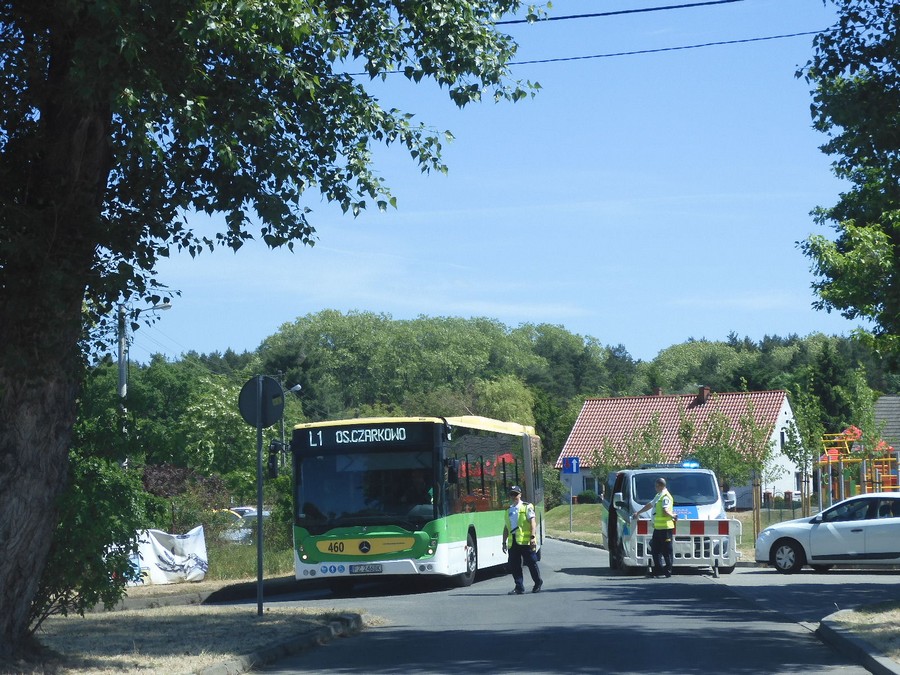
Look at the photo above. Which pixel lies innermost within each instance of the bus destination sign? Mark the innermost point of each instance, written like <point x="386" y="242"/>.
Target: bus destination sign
<point x="350" y="438"/>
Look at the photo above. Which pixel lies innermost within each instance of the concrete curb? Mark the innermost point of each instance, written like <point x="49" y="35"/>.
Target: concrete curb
<point x="833" y="634"/>
<point x="344" y="626"/>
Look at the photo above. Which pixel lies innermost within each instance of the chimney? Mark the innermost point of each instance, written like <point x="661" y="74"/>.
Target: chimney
<point x="703" y="395"/>
<point x="657" y="391"/>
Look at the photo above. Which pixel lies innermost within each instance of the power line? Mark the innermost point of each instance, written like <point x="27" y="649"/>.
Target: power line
<point x="595" y="15"/>
<point x="636" y="52"/>
<point x="666" y="49"/>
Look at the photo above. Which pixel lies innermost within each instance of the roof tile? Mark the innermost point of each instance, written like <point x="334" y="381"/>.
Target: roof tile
<point x="616" y="418"/>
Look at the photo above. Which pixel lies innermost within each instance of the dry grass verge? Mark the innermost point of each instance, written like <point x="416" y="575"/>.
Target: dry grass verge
<point x="168" y="640"/>
<point x="879" y="625"/>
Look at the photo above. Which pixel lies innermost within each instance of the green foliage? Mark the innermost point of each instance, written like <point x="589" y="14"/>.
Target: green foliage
<point x="183" y="499"/>
<point x="506" y="398"/>
<point x="362" y="363"/>
<point x="831" y="381"/>
<point x="555" y="491"/>
<point x="238" y="561"/>
<point x="90" y="559"/>
<point x="856" y="99"/>
<point x="682" y="368"/>
<point x="641" y="445"/>
<point x="606" y="459"/>
<point x="755" y="446"/>
<point x="588" y="497"/>
<point x="714" y="445"/>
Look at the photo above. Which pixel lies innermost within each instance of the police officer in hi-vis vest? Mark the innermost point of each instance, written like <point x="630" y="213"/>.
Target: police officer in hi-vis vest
<point x="521" y="543"/>
<point x="661" y="546"/>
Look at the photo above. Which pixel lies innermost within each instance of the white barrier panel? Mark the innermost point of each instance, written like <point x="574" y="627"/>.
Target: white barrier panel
<point x="171" y="558"/>
<point x="696" y="542"/>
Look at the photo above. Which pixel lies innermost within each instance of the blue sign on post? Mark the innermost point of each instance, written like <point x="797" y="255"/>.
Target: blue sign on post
<point x="571" y="465"/>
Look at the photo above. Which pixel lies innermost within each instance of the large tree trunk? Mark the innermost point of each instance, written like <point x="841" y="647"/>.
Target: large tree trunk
<point x="36" y="415"/>
<point x="50" y="219"/>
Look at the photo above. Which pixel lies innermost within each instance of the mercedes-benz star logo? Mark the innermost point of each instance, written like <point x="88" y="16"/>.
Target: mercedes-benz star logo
<point x="364" y="547"/>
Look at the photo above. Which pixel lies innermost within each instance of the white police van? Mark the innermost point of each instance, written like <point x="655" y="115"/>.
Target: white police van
<point x="704" y="535"/>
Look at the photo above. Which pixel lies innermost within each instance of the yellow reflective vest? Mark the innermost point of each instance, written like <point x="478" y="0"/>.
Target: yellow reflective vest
<point x="664" y="505"/>
<point x="521" y="534"/>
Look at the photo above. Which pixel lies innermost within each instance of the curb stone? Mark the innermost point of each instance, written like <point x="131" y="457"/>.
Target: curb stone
<point x="344" y="626"/>
<point x="832" y="633"/>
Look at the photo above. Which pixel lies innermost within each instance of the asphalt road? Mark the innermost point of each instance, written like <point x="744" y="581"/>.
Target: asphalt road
<point x="589" y="620"/>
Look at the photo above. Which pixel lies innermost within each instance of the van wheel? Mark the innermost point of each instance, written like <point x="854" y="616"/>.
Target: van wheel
<point x="467" y="577"/>
<point x="615" y="557"/>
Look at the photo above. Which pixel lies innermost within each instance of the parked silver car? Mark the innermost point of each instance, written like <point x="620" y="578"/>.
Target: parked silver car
<point x="243" y="530"/>
<point x="861" y="530"/>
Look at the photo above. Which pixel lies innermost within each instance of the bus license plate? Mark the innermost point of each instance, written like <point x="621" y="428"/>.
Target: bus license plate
<point x="365" y="569"/>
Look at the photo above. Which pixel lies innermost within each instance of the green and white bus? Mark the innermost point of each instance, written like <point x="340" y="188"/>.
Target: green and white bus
<point x="414" y="496"/>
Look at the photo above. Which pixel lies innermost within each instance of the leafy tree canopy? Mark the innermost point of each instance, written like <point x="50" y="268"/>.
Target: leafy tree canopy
<point x="119" y="120"/>
<point x="856" y="102"/>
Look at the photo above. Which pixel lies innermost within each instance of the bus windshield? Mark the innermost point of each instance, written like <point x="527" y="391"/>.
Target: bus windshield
<point x="687" y="488"/>
<point x="366" y="488"/>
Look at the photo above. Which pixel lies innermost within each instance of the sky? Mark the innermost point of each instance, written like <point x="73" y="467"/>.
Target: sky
<point x="640" y="199"/>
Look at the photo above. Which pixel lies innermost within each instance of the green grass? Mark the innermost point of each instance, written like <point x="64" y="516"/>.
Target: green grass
<point x="581" y="523"/>
<point x="238" y="561"/>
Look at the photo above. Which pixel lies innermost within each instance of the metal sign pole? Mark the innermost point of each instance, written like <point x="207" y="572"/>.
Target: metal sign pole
<point x="261" y="403"/>
<point x="571" y="506"/>
<point x="259" y="496"/>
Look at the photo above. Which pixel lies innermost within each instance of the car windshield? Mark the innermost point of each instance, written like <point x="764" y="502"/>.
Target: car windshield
<point x="686" y="487"/>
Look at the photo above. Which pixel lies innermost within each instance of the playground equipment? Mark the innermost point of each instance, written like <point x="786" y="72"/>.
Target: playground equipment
<point x="845" y="468"/>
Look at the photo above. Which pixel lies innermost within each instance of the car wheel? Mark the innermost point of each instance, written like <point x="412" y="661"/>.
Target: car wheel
<point x="787" y="556"/>
<point x="467" y="577"/>
<point x="821" y="569"/>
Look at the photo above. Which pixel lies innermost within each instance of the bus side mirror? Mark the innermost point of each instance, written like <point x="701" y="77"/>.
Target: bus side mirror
<point x="618" y="500"/>
<point x="453" y="471"/>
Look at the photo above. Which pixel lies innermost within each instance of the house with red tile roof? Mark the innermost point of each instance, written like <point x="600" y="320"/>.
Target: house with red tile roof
<point x="605" y="421"/>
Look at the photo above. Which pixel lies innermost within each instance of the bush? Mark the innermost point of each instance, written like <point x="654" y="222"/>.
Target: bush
<point x="90" y="559"/>
<point x="553" y="487"/>
<point x="588" y="497"/>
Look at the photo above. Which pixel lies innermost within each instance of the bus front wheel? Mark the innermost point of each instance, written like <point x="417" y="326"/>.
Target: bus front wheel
<point x="467" y="577"/>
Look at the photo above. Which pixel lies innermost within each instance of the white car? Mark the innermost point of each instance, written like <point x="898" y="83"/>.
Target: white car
<point x="862" y="530"/>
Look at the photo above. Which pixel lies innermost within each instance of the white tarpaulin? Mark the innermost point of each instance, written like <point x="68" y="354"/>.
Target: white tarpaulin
<point x="171" y="558"/>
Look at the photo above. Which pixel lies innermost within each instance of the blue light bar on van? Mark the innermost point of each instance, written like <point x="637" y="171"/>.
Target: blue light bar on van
<point x="690" y="464"/>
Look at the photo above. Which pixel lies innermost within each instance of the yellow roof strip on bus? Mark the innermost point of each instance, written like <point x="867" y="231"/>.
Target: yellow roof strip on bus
<point x="367" y="420"/>
<point x="467" y="421"/>
<point x="488" y="424"/>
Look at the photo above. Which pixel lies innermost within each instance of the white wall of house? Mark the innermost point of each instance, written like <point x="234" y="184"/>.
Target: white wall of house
<point x="783" y="474"/>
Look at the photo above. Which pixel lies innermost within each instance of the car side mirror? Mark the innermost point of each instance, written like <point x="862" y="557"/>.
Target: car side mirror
<point x="618" y="500"/>
<point x="816" y="520"/>
<point x="730" y="500"/>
